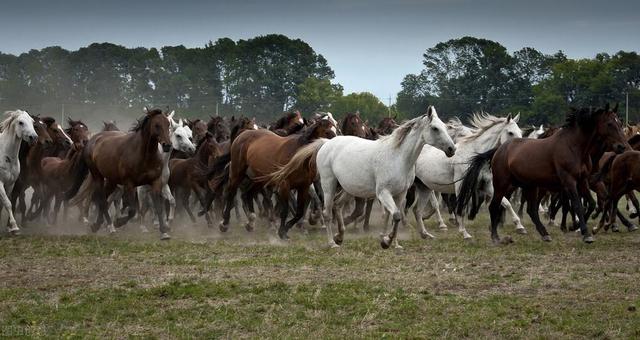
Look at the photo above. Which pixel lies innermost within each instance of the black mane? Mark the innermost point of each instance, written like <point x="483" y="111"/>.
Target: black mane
<point x="141" y="122"/>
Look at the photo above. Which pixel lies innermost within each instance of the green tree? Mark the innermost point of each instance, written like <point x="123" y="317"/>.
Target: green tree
<point x="316" y="94"/>
<point x="369" y="106"/>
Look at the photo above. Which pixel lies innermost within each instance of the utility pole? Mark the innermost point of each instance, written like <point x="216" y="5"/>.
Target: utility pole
<point x="389" y="107"/>
<point x="62" y="115"/>
<point x="216" y="109"/>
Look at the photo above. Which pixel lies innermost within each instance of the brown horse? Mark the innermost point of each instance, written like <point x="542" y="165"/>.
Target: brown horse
<point x="77" y="131"/>
<point x="218" y="127"/>
<point x="44" y="140"/>
<point x="559" y="163"/>
<point x="353" y="125"/>
<point x="290" y="123"/>
<point x="110" y="126"/>
<point x="60" y="146"/>
<point x="127" y="159"/>
<point x="56" y="178"/>
<point x="198" y="128"/>
<point x="189" y="175"/>
<point x="624" y="178"/>
<point x="386" y="126"/>
<point x="256" y="155"/>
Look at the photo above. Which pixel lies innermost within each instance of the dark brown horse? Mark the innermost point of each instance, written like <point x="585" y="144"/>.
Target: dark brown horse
<point x="189" y="175"/>
<point x="218" y="127"/>
<point x="353" y="125"/>
<point x="110" y="126"/>
<point x="57" y="176"/>
<point x="559" y="163"/>
<point x="386" y="126"/>
<point x="259" y="153"/>
<point x="77" y="131"/>
<point x="623" y="178"/>
<point x="198" y="129"/>
<point x="128" y="159"/>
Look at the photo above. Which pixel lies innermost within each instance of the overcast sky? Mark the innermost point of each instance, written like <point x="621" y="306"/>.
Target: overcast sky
<point x="370" y="44"/>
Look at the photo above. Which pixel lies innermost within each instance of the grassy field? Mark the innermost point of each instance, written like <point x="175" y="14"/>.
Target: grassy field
<point x="202" y="284"/>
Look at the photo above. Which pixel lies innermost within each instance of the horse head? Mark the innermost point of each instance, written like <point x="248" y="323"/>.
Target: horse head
<point x="41" y="131"/>
<point x="181" y="137"/>
<point x="77" y="131"/>
<point x="57" y="133"/>
<point x="353" y="125"/>
<point x="510" y="130"/>
<point x="22" y="125"/>
<point x="434" y="132"/>
<point x="155" y="126"/>
<point x="608" y="129"/>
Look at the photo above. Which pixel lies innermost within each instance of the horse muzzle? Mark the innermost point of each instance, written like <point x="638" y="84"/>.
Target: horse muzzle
<point x="619" y="148"/>
<point x="450" y="151"/>
<point x="166" y="147"/>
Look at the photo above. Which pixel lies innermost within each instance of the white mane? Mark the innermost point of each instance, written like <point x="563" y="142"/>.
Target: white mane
<point x="481" y="122"/>
<point x="11" y="116"/>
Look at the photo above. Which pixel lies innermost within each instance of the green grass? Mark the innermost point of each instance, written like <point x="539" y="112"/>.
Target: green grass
<point x="202" y="284"/>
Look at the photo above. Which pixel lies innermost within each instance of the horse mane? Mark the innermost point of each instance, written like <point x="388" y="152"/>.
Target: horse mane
<point x="548" y="132"/>
<point x="235" y="129"/>
<point x="528" y="130"/>
<point x="399" y="135"/>
<point x="481" y="122"/>
<point x="11" y="116"/>
<point x="141" y="122"/>
<point x="582" y="118"/>
<point x="48" y="121"/>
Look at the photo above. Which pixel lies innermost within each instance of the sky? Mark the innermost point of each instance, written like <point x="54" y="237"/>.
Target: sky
<point x="370" y="44"/>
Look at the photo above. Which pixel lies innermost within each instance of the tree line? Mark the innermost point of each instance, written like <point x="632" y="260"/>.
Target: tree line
<point x="268" y="74"/>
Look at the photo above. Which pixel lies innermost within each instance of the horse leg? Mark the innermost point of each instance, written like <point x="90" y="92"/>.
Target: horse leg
<point x="302" y="202"/>
<point x="357" y="212"/>
<point x="636" y="205"/>
<point x="6" y="202"/>
<point x="367" y="214"/>
<point x="235" y="178"/>
<point x="283" y="200"/>
<point x="572" y="189"/>
<point x="186" y="204"/>
<point x="514" y="217"/>
<point x="435" y="204"/>
<point x="387" y="200"/>
<point x="247" y="198"/>
<point x="329" y="186"/>
<point x="531" y="195"/>
<point x="423" y="197"/>
<point x="166" y="193"/>
<point x="158" y="205"/>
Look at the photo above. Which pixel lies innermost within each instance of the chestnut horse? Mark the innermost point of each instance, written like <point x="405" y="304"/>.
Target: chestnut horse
<point x="559" y="163"/>
<point x="128" y="159"/>
<point x="56" y="178"/>
<point x="624" y="178"/>
<point x="218" y="127"/>
<point x="77" y="131"/>
<point x="257" y="154"/>
<point x="290" y="123"/>
<point x="198" y="128"/>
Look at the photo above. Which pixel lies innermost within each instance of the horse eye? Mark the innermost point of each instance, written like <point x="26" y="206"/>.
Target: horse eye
<point x="434" y="128"/>
<point x="20" y="123"/>
<point x="179" y="137"/>
<point x="510" y="133"/>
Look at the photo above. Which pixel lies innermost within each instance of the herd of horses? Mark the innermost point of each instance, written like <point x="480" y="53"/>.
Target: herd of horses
<point x="321" y="171"/>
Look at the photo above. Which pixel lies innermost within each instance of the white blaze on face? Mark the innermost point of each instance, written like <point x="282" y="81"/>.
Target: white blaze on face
<point x="255" y="126"/>
<point x="65" y="134"/>
<point x="301" y="121"/>
<point x="333" y="128"/>
<point x="362" y="127"/>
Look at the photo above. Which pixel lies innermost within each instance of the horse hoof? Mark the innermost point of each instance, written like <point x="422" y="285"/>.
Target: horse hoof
<point x="466" y="236"/>
<point x="333" y="245"/>
<point x="95" y="227"/>
<point x="337" y="238"/>
<point x="615" y="228"/>
<point x="165" y="236"/>
<point x="506" y="240"/>
<point x="223" y="228"/>
<point x="111" y="229"/>
<point x="521" y="230"/>
<point x="85" y="220"/>
<point x="546" y="238"/>
<point x="248" y="226"/>
<point x="144" y="229"/>
<point x="443" y="227"/>
<point x="633" y="228"/>
<point x="15" y="231"/>
<point x="587" y="239"/>
<point x="385" y="242"/>
<point x="397" y="246"/>
<point x="426" y="235"/>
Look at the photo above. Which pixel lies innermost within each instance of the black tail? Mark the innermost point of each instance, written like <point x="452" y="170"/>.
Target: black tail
<point x="79" y="171"/>
<point x="469" y="187"/>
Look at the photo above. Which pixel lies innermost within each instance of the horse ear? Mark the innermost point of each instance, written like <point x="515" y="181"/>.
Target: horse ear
<point x="145" y="109"/>
<point x="509" y="118"/>
<point x="430" y="112"/>
<point x="541" y="126"/>
<point x="180" y="123"/>
<point x="170" y="116"/>
<point x="615" y="108"/>
<point x="517" y="117"/>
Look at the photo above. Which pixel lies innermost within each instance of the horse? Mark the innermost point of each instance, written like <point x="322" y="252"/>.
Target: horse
<point x="218" y="127"/>
<point x="441" y="174"/>
<point x="110" y="126"/>
<point x="44" y="140"/>
<point x="385" y="168"/>
<point x="624" y="178"/>
<point x="127" y="159"/>
<point x="181" y="136"/>
<point x="15" y="128"/>
<point x="189" y="175"/>
<point x="560" y="162"/>
<point x="198" y="128"/>
<point x="386" y="126"/>
<point x="255" y="154"/>
<point x="288" y="124"/>
<point x="534" y="132"/>
<point x="353" y="125"/>
<point x="77" y="131"/>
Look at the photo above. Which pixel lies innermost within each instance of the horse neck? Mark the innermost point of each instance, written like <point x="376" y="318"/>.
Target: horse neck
<point x="10" y="143"/>
<point x="410" y="148"/>
<point x="483" y="143"/>
<point x="580" y="139"/>
<point x="149" y="146"/>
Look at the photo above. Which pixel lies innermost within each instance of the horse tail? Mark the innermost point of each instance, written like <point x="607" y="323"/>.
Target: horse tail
<point x="85" y="191"/>
<point x="604" y="170"/>
<point x="304" y="158"/>
<point x="79" y="172"/>
<point x="469" y="187"/>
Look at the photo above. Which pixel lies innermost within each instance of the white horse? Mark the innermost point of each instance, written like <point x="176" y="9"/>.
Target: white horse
<point x="537" y="132"/>
<point x="382" y="169"/>
<point x="442" y="174"/>
<point x="17" y="127"/>
<point x="181" y="137"/>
